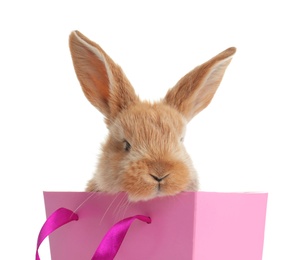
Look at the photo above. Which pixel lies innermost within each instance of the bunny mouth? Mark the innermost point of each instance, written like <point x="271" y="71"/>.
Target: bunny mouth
<point x="157" y="187"/>
<point x="160" y="183"/>
<point x="159" y="180"/>
<point x="145" y="180"/>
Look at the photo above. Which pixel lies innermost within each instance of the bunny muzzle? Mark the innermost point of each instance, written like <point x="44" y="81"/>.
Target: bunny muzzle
<point x="146" y="179"/>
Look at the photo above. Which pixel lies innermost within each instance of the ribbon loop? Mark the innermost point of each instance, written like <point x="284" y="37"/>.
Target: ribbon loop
<point x="57" y="219"/>
<point x="112" y="241"/>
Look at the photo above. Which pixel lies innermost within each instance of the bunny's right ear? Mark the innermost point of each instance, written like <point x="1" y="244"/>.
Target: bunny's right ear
<point x="103" y="82"/>
<point x="196" y="89"/>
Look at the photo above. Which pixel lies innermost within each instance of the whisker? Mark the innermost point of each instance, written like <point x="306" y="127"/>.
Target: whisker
<point x="108" y="208"/>
<point x="127" y="202"/>
<point x="90" y="196"/>
<point x="118" y="207"/>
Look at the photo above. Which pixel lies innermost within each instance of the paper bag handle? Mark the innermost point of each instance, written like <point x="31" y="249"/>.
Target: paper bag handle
<point x="110" y="243"/>
<point x="57" y="219"/>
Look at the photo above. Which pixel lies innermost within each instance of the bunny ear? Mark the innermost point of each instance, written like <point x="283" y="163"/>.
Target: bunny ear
<point x="196" y="89"/>
<point x="103" y="82"/>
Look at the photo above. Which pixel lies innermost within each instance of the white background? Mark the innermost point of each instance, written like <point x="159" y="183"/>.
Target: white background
<point x="252" y="137"/>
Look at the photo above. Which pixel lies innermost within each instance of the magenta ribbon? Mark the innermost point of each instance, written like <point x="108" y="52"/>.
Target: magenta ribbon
<point x="57" y="219"/>
<point x="110" y="243"/>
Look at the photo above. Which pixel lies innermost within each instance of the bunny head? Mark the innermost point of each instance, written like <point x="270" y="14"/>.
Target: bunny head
<point x="143" y="154"/>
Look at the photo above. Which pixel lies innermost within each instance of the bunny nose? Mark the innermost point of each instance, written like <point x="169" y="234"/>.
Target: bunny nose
<point x="157" y="178"/>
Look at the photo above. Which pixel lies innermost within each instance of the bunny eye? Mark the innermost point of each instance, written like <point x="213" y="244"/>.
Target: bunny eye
<point x="127" y="146"/>
<point x="182" y="139"/>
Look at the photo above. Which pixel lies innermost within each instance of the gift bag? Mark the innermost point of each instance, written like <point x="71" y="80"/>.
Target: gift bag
<point x="188" y="226"/>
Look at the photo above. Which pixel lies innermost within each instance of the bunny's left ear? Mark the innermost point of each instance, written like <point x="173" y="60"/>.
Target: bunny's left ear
<point x="196" y="89"/>
<point x="103" y="81"/>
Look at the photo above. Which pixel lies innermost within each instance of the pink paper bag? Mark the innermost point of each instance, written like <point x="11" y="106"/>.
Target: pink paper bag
<point x="191" y="225"/>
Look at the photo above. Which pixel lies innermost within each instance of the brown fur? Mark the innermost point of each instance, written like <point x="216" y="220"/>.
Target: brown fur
<point x="157" y="163"/>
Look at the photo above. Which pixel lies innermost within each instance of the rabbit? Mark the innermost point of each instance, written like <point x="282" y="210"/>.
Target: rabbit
<point x="143" y="155"/>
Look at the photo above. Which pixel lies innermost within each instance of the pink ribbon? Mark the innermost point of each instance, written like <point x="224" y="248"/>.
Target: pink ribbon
<point x="57" y="219"/>
<point x="110" y="243"/>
